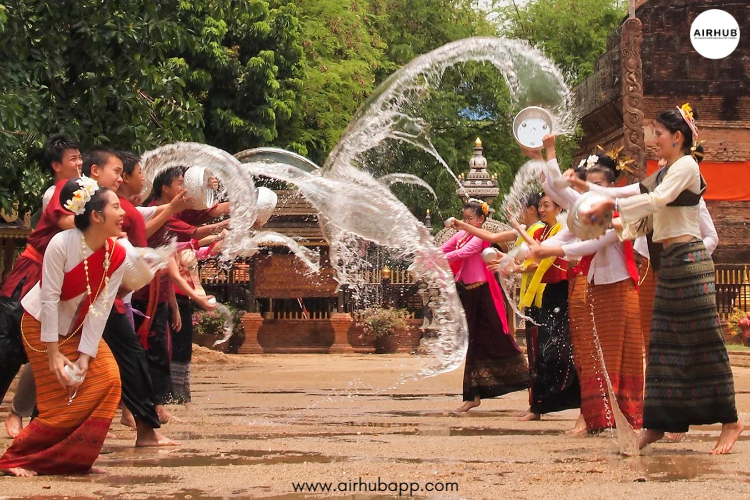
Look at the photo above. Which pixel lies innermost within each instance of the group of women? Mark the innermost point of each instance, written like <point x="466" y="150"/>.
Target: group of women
<point x="592" y="311"/>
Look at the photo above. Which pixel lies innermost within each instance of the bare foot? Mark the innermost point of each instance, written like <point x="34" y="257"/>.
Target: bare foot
<point x="19" y="472"/>
<point x="13" y="425"/>
<point x="579" y="428"/>
<point x="727" y="438"/>
<point x="149" y="438"/>
<point x="674" y="437"/>
<point x="110" y="436"/>
<point x="96" y="470"/>
<point x="468" y="405"/>
<point x="524" y="413"/>
<point x="164" y="415"/>
<point x="127" y="418"/>
<point x="646" y="437"/>
<point x="530" y="416"/>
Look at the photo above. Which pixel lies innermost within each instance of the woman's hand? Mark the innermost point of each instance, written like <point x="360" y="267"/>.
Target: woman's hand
<point x="596" y="213"/>
<point x="549" y="142"/>
<point x="83" y="365"/>
<point x="572" y="179"/>
<point x="57" y="364"/>
<point x="206" y="303"/>
<point x="512" y="220"/>
<point x="176" y="319"/>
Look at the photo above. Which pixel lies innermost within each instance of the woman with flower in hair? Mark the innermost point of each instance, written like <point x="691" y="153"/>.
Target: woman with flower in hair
<point x="554" y="383"/>
<point x="77" y="380"/>
<point x="688" y="377"/>
<point x="611" y="298"/>
<point x="495" y="364"/>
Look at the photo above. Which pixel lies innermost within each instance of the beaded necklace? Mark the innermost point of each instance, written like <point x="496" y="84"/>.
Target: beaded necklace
<point x="92" y="310"/>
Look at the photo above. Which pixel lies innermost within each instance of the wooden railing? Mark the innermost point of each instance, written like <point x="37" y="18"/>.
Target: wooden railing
<point x="732" y="288"/>
<point x="307" y="315"/>
<point x="360" y="315"/>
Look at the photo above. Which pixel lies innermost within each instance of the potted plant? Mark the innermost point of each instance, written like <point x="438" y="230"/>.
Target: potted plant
<point x="208" y="327"/>
<point x="382" y="324"/>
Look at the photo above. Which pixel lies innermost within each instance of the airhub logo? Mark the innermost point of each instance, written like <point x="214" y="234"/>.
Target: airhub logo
<point x="715" y="34"/>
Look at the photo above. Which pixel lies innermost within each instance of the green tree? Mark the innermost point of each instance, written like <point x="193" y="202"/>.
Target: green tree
<point x="140" y="73"/>
<point x="343" y="54"/>
<point x="573" y="33"/>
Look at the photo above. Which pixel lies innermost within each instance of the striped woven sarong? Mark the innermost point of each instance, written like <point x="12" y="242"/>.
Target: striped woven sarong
<point x="65" y="438"/>
<point x="580" y="324"/>
<point x="688" y="377"/>
<point x="646" y="293"/>
<point x="618" y="326"/>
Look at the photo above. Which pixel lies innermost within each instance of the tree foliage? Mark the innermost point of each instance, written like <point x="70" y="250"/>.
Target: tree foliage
<point x="136" y="74"/>
<point x="573" y="33"/>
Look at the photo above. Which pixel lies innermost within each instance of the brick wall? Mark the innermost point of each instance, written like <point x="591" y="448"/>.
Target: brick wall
<point x="673" y="73"/>
<point x="316" y="336"/>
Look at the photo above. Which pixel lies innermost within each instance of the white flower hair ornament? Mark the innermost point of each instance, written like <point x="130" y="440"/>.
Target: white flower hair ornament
<point x="77" y="204"/>
<point x="591" y="161"/>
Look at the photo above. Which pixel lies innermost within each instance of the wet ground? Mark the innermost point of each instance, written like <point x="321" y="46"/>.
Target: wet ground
<point x="260" y="423"/>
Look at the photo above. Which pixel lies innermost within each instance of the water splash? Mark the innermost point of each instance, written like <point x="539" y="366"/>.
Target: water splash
<point x="229" y="171"/>
<point x="525" y="183"/>
<point x="398" y="178"/>
<point x="532" y="79"/>
<point x="228" y="328"/>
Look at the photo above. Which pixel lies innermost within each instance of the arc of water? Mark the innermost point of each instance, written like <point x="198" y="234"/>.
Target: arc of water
<point x="376" y="215"/>
<point x="399" y="178"/>
<point x="529" y="75"/>
<point x="239" y="184"/>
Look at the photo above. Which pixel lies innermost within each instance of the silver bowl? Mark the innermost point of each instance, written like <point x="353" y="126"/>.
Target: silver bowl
<point x="196" y="184"/>
<point x="530" y="125"/>
<point x="578" y="226"/>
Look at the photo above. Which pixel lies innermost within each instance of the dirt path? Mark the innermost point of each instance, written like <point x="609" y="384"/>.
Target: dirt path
<point x="260" y="423"/>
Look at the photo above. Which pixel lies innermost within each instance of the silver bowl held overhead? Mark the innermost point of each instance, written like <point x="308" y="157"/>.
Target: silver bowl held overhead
<point x="531" y="125"/>
<point x="576" y="223"/>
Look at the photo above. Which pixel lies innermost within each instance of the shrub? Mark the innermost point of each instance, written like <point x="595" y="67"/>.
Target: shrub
<point x="382" y="322"/>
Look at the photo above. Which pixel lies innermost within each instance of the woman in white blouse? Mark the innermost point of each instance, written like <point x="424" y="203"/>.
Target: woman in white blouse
<point x="688" y="377"/>
<point x="78" y="383"/>
<point x="611" y="293"/>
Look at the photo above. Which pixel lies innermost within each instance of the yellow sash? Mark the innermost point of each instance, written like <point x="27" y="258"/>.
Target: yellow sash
<point x="525" y="277"/>
<point x="536" y="281"/>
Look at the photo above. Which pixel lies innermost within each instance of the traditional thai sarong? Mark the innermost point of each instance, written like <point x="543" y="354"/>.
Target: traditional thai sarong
<point x="495" y="364"/>
<point x="646" y="293"/>
<point x="157" y="350"/>
<point x="618" y="327"/>
<point x="688" y="377"/>
<point x="65" y="438"/>
<point x="581" y="331"/>
<point x="182" y="352"/>
<point x="554" y="383"/>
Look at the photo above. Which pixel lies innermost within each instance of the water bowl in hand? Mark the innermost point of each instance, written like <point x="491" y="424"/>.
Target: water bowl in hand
<point x="577" y="223"/>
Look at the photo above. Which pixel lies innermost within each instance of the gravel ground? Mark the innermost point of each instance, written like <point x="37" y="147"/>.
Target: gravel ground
<point x="258" y="424"/>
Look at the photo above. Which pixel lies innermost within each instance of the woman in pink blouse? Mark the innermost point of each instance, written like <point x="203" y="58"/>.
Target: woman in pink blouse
<point x="495" y="364"/>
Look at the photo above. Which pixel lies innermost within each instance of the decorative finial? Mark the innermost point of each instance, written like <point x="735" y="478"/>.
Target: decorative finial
<point x="478" y="143"/>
